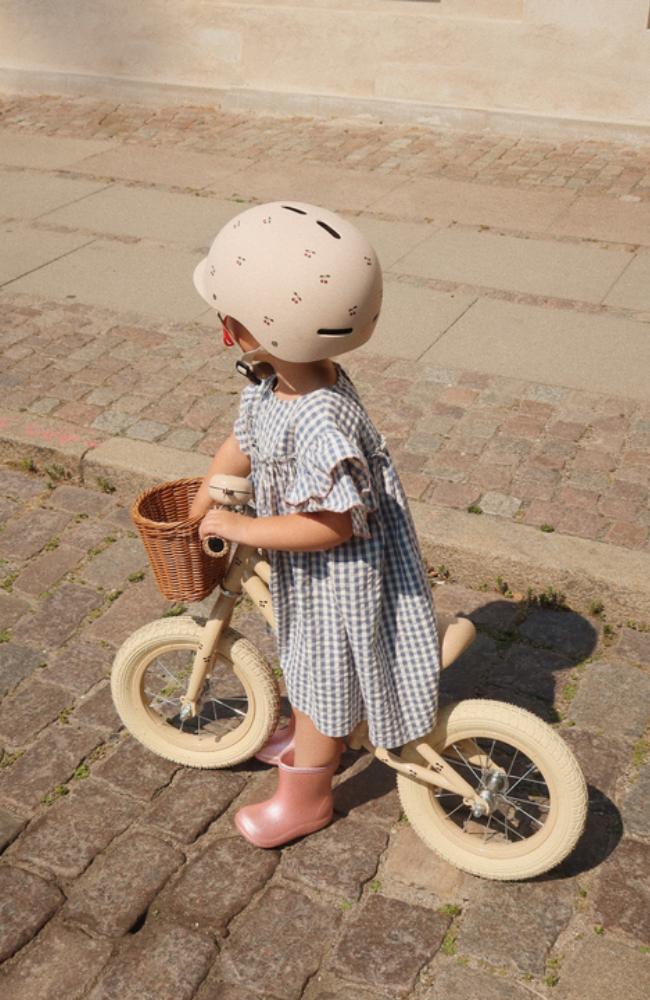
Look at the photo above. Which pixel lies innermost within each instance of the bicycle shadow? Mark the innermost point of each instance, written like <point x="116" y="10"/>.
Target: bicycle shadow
<point x="535" y="657"/>
<point x="523" y="653"/>
<point x="531" y="656"/>
<point x="602" y="833"/>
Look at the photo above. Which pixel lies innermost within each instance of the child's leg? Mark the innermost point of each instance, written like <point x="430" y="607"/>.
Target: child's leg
<point x="313" y="749"/>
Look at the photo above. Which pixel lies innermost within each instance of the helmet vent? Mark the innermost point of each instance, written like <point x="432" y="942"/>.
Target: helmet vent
<point x="335" y="333"/>
<point x="298" y="211"/>
<point x="328" y="229"/>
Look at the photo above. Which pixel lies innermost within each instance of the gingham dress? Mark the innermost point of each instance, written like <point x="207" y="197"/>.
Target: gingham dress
<point x="356" y="624"/>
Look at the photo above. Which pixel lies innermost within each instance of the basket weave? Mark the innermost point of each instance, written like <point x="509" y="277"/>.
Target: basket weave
<point x="182" y="570"/>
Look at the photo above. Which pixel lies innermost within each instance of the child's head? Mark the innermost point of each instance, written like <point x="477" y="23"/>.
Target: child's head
<point x="303" y="281"/>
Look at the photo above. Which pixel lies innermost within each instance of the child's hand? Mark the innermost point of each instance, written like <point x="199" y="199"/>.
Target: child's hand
<point x="224" y="523"/>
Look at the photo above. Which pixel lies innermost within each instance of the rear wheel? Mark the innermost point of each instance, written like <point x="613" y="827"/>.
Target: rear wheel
<point x="239" y="705"/>
<point x="533" y="794"/>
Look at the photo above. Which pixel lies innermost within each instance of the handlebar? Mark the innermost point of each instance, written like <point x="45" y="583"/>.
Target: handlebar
<point x="214" y="546"/>
<point x="226" y="491"/>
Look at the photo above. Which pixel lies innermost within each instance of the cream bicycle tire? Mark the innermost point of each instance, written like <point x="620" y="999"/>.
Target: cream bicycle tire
<point x="558" y="803"/>
<point x="250" y="706"/>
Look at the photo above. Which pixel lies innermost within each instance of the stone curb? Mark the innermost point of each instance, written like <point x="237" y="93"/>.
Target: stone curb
<point x="134" y="466"/>
<point x="478" y="548"/>
<point x="122" y="464"/>
<point x="45" y="441"/>
<point x="474" y="548"/>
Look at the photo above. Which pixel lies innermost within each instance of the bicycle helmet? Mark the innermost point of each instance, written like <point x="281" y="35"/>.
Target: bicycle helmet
<point x="301" y="279"/>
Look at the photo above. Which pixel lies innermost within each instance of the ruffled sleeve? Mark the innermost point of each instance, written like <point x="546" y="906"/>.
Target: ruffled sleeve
<point x="242" y="423"/>
<point x="332" y="474"/>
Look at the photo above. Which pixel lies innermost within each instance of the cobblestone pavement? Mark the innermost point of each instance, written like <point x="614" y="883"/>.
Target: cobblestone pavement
<point x="123" y="876"/>
<point x="574" y="462"/>
<point x="591" y="167"/>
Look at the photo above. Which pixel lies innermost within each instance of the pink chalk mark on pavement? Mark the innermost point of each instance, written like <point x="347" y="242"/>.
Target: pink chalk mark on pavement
<point x="61" y="436"/>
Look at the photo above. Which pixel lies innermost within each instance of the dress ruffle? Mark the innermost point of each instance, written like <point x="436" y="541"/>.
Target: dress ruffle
<point x="333" y="475"/>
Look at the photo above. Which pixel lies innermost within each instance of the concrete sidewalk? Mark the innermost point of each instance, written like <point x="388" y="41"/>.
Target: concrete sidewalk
<point x="509" y="371"/>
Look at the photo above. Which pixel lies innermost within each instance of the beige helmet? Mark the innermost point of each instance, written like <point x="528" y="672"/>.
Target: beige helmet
<point x="302" y="280"/>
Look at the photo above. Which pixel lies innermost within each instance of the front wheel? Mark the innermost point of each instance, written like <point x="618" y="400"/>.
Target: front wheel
<point x="533" y="793"/>
<point x="239" y="705"/>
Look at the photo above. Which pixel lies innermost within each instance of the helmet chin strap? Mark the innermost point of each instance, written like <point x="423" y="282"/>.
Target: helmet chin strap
<point x="255" y="369"/>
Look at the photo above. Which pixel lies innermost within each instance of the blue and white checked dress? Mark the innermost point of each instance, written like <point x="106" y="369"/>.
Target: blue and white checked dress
<point x="356" y="625"/>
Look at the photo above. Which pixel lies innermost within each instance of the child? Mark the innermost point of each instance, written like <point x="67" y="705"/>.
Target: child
<point x="294" y="286"/>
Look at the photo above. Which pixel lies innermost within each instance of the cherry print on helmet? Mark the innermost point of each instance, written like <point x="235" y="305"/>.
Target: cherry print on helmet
<point x="297" y="273"/>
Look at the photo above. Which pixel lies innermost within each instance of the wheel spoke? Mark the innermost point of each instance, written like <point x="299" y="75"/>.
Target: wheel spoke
<point x="512" y="763"/>
<point x="519" y="809"/>
<point x="173" y="676"/>
<point x="231" y="708"/>
<point x="501" y="823"/>
<point x="216" y="716"/>
<point x="467" y="764"/>
<point x="455" y="762"/>
<point x="222" y="714"/>
<point x="539" y="805"/>
<point x="533" y="767"/>
<point x="165" y="701"/>
<point x="534" y="781"/>
<point x="487" y="827"/>
<point x="459" y="806"/>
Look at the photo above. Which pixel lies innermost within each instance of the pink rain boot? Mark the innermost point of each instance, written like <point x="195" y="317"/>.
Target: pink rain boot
<point x="302" y="804"/>
<point x="281" y="741"/>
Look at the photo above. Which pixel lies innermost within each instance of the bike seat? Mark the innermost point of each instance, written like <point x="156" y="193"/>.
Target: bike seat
<point x="230" y="491"/>
<point x="454" y="636"/>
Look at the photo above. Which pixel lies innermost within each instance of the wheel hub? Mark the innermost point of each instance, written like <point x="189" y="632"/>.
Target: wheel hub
<point x="494" y="784"/>
<point x="186" y="711"/>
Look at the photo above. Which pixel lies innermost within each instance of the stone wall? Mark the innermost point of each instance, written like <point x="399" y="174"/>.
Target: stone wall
<point x="577" y="64"/>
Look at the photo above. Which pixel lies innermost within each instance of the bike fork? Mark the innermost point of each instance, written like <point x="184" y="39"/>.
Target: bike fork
<point x="241" y="576"/>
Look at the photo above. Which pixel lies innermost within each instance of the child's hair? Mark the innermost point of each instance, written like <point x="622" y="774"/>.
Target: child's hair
<point x="303" y="281"/>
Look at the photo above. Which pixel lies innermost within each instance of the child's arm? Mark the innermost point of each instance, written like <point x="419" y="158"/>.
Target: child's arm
<point x="229" y="460"/>
<point x="287" y="533"/>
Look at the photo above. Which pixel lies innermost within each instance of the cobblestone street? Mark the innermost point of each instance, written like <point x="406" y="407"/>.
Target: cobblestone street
<point x="123" y="875"/>
<point x="590" y="167"/>
<point x="576" y="462"/>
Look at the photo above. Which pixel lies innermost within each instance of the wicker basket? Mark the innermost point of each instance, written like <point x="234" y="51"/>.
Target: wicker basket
<point x="182" y="570"/>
